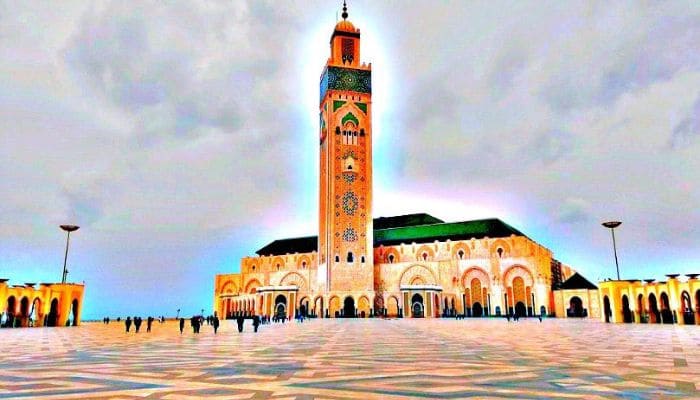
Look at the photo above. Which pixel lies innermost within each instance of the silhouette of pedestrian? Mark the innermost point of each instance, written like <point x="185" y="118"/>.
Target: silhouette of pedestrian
<point x="137" y="323"/>
<point x="256" y="322"/>
<point x="215" y="322"/>
<point x="239" y="322"/>
<point x="149" y="322"/>
<point x="182" y="325"/>
<point x="127" y="322"/>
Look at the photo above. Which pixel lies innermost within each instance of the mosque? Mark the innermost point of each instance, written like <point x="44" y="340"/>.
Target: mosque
<point x="416" y="265"/>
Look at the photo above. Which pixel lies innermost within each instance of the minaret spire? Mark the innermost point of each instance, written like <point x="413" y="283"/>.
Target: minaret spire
<point x="345" y="10"/>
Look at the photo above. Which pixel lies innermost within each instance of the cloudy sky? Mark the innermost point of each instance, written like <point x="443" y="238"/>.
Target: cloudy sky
<point x="182" y="136"/>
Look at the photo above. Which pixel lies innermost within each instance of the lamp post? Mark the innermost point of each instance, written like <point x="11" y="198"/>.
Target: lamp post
<point x="612" y="225"/>
<point x="69" y="229"/>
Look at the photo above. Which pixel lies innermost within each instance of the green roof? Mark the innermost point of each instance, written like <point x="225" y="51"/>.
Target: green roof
<point x="405" y="220"/>
<point x="412" y="228"/>
<point x="466" y="230"/>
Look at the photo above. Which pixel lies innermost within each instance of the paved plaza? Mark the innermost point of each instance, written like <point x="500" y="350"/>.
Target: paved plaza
<point x="354" y="359"/>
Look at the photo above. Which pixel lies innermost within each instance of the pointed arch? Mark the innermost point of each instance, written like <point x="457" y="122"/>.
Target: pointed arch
<point x="252" y="286"/>
<point x="417" y="271"/>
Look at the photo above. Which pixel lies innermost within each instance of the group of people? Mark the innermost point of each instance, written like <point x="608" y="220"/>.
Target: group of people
<point x="107" y="320"/>
<point x="197" y="321"/>
<point x="137" y="321"/>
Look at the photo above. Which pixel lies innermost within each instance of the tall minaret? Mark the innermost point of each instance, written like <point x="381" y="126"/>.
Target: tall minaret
<point x="345" y="207"/>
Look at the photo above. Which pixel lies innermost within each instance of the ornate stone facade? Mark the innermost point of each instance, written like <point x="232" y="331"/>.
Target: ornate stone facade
<point x="413" y="265"/>
<point x="50" y="304"/>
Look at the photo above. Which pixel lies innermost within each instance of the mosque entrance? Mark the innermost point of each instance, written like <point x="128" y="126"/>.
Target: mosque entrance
<point x="520" y="310"/>
<point x="280" y="306"/>
<point x="606" y="308"/>
<point x="349" y="307"/>
<point x="575" y="307"/>
<point x="417" y="306"/>
<point x="477" y="310"/>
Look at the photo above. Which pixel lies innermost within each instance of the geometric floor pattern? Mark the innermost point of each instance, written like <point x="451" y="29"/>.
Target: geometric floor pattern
<point x="355" y="359"/>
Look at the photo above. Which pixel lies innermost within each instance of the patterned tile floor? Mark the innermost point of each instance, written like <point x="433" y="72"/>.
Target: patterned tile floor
<point x="355" y="359"/>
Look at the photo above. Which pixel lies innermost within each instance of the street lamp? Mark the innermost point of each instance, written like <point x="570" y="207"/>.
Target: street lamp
<point x="612" y="225"/>
<point x="69" y="229"/>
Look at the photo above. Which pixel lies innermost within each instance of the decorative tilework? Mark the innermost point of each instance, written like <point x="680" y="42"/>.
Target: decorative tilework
<point x="350" y="203"/>
<point x="349" y="235"/>
<point x="338" y="78"/>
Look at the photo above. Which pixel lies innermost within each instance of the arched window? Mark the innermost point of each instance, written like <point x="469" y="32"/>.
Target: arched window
<point x="391" y="258"/>
<point x="500" y="252"/>
<point x="278" y="267"/>
<point x="253" y="268"/>
<point x="362" y="259"/>
<point x="350" y="257"/>
<point x="425" y="256"/>
<point x="460" y="254"/>
<point x="337" y="258"/>
<point x="303" y="265"/>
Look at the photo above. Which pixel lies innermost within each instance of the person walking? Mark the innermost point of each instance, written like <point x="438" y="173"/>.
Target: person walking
<point x="239" y="322"/>
<point x="256" y="323"/>
<point x="127" y="322"/>
<point x="137" y="323"/>
<point x="215" y="322"/>
<point x="182" y="325"/>
<point x="149" y="322"/>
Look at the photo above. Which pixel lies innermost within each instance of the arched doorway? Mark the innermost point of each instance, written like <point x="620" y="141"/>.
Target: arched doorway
<point x="392" y="309"/>
<point x="654" y="315"/>
<point x="379" y="306"/>
<point x="687" y="307"/>
<point x="53" y="313"/>
<point x="417" y="306"/>
<point x="640" y="309"/>
<point x="477" y="310"/>
<point x="11" y="309"/>
<point x="666" y="313"/>
<point x="627" y="315"/>
<point x="520" y="310"/>
<point x="24" y="311"/>
<point x="349" y="307"/>
<point x="74" y="312"/>
<point x="575" y="308"/>
<point x="36" y="314"/>
<point x="607" y="309"/>
<point x="280" y="306"/>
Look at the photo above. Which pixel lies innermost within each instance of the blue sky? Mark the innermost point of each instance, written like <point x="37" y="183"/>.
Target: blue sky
<point x="182" y="136"/>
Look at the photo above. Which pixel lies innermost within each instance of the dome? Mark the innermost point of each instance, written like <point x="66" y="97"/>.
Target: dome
<point x="345" y="26"/>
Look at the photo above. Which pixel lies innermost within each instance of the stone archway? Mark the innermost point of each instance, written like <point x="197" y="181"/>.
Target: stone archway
<point x="24" y="312"/>
<point x="575" y="308"/>
<point x="392" y="309"/>
<point x="53" y="313"/>
<point x="666" y="313"/>
<point x="281" y="306"/>
<point x="349" y="307"/>
<point x="74" y="312"/>
<point x="417" y="308"/>
<point x="627" y="315"/>
<point x="687" y="308"/>
<point x="477" y="310"/>
<point x="607" y="309"/>
<point x="654" y="314"/>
